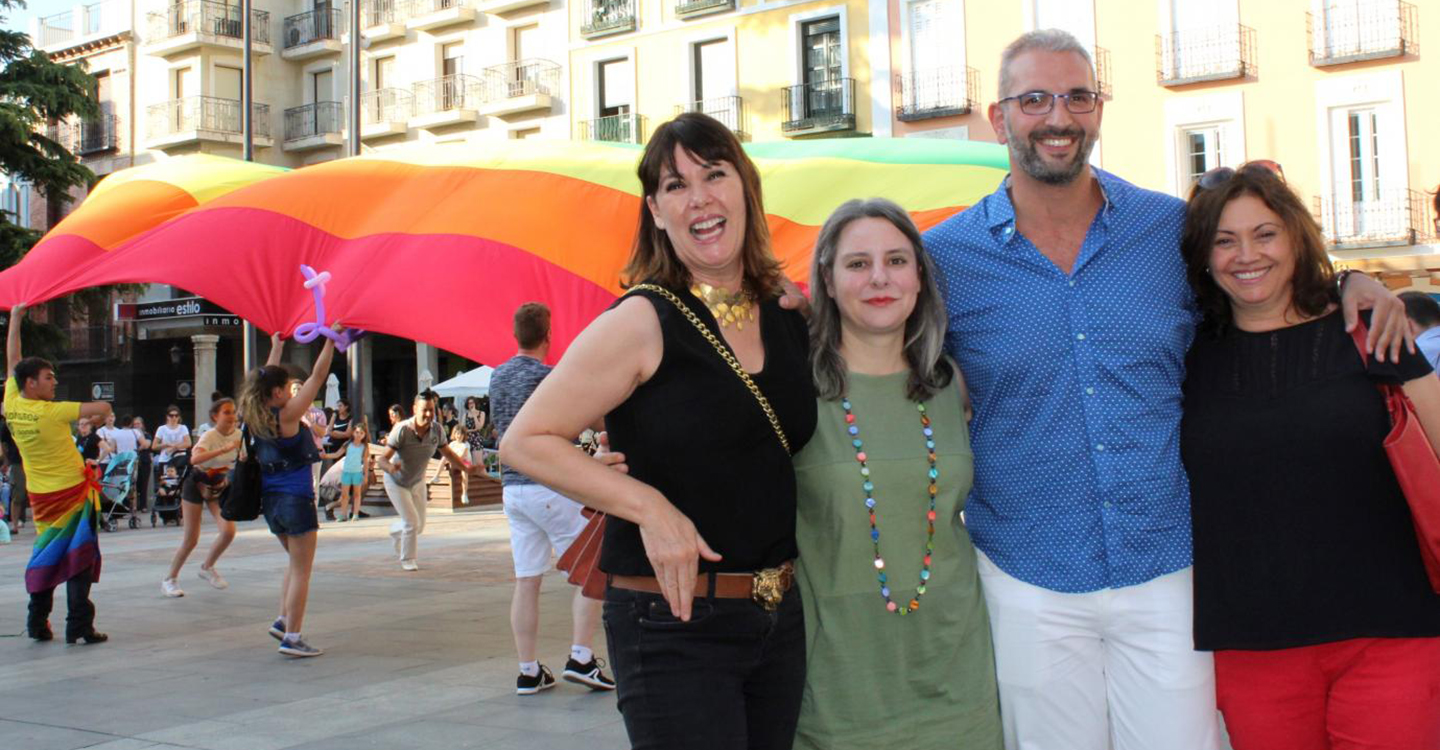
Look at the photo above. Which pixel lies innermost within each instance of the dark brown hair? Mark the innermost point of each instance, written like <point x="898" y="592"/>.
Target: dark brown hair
<point x="532" y="325"/>
<point x="1312" y="288"/>
<point x="707" y="140"/>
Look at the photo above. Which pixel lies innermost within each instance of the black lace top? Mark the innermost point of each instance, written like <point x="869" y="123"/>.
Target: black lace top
<point x="1302" y="535"/>
<point x="697" y="434"/>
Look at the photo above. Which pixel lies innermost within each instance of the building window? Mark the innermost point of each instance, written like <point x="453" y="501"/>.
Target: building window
<point x="1364" y="147"/>
<point x="820" y="42"/>
<point x="384" y="73"/>
<point x="15" y="202"/>
<point x="1200" y="151"/>
<point x="525" y="133"/>
<point x="617" y="88"/>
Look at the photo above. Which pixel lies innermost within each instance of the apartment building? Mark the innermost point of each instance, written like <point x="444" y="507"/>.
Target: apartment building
<point x="1339" y="92"/>
<point x="770" y="70"/>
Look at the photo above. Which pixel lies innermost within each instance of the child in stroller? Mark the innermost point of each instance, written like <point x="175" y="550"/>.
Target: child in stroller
<point x="167" y="490"/>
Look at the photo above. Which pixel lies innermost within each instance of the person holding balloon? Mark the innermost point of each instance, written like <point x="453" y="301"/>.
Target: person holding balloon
<point x="701" y="380"/>
<point x="273" y="414"/>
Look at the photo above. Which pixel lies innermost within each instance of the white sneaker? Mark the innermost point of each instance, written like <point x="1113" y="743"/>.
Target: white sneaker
<point x="171" y="587"/>
<point x="213" y="577"/>
<point x="410" y="565"/>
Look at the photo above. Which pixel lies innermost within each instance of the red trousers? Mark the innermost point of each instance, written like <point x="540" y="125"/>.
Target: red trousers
<point x="1361" y="694"/>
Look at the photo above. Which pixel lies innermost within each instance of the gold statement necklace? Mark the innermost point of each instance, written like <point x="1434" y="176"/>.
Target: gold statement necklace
<point x="737" y="308"/>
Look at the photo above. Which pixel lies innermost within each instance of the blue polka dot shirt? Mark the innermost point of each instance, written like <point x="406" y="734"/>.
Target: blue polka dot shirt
<point x="1075" y="380"/>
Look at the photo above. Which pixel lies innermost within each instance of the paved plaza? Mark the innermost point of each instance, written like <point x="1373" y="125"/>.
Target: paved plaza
<point x="413" y="660"/>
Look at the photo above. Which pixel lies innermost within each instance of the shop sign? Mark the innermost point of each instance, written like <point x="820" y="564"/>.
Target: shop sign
<point x="184" y="307"/>
<point x="102" y="391"/>
<point x="184" y="389"/>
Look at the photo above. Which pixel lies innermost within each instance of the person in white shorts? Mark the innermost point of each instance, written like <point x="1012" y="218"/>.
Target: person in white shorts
<point x="541" y="521"/>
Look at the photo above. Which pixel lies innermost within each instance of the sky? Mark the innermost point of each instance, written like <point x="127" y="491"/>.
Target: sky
<point x="19" y="18"/>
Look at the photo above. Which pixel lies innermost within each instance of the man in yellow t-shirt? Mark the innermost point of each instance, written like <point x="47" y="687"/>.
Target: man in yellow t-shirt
<point x="64" y="498"/>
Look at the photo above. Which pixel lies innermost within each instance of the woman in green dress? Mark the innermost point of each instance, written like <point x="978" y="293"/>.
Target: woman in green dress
<point x="897" y="636"/>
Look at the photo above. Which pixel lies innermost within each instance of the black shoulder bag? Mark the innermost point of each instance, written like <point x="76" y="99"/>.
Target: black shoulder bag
<point x="242" y="499"/>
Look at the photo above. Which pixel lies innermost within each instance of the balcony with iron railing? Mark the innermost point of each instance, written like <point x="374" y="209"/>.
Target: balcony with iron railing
<point x="693" y="8"/>
<point x="518" y="87"/>
<point x="820" y="107"/>
<point x="88" y="136"/>
<point x="626" y="128"/>
<point x="505" y="6"/>
<point x="312" y="33"/>
<point x="447" y="100"/>
<point x="729" y="110"/>
<point x="191" y="24"/>
<point x="88" y="22"/>
<point x="1210" y="54"/>
<point x="312" y="126"/>
<point x="424" y="15"/>
<point x="385" y="112"/>
<point x="608" y="17"/>
<point x="383" y="19"/>
<point x="1397" y="216"/>
<point x="1362" y="30"/>
<point x="194" y="119"/>
<point x="939" y="92"/>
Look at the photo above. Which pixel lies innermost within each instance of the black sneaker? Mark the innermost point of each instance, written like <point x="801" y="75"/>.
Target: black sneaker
<point x="590" y="674"/>
<point x="527" y="685"/>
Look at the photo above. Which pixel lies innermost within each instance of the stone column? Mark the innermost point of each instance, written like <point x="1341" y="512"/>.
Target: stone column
<point x="427" y="363"/>
<point x="205" y="345"/>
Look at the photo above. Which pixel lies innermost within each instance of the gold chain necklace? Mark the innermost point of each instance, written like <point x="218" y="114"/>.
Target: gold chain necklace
<point x="737" y="308"/>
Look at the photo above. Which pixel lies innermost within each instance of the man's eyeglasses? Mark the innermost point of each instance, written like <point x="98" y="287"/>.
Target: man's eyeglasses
<point x="1041" y="102"/>
<point x="1221" y="175"/>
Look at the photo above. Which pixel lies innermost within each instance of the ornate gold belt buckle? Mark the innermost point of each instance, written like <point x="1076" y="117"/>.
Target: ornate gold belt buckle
<point x="769" y="587"/>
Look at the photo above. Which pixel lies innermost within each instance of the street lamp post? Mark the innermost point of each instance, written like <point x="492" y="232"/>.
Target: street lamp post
<point x="249" y="340"/>
<point x="355" y="354"/>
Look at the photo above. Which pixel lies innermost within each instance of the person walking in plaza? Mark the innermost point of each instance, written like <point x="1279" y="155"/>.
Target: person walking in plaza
<point x="1309" y="584"/>
<point x="702" y="383"/>
<point x="1070" y="315"/>
<point x="88" y="442"/>
<point x="285" y="449"/>
<point x="891" y="407"/>
<point x="354" y="454"/>
<point x="541" y="520"/>
<point x="204" y="486"/>
<point x="64" y="493"/>
<point x="407" y="455"/>
<point x="118" y="439"/>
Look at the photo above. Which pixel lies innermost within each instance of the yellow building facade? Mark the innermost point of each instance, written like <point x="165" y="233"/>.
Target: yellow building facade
<point x="769" y="70"/>
<point x="1340" y="92"/>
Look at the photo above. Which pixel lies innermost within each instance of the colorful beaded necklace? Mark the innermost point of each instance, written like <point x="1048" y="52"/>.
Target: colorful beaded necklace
<point x="869" y="488"/>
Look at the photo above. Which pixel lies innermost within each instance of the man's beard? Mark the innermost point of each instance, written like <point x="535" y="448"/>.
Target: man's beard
<point x="1026" y="156"/>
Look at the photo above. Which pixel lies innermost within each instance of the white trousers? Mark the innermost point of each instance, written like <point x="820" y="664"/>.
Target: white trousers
<point x="410" y="503"/>
<point x="1109" y="670"/>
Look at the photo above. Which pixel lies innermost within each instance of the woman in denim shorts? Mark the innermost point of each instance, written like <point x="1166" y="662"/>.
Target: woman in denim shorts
<point x="285" y="453"/>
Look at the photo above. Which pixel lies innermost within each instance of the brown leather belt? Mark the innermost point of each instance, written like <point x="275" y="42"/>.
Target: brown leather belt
<point x="765" y="587"/>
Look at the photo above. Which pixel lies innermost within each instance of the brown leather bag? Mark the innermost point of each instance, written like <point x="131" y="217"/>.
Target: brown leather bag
<point x="582" y="559"/>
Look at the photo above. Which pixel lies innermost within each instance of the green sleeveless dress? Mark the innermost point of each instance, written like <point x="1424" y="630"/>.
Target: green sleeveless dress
<point x="877" y="678"/>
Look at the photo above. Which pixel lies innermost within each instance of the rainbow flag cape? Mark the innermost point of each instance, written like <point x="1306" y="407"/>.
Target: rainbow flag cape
<point x="67" y="543"/>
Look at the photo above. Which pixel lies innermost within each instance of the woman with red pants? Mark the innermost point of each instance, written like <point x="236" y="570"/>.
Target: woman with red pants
<point x="1309" y="585"/>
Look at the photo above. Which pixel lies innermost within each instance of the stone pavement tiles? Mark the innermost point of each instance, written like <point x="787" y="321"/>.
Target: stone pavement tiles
<point x="413" y="660"/>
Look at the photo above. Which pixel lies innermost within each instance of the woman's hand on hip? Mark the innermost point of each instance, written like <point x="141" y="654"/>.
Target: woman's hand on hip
<point x="675" y="547"/>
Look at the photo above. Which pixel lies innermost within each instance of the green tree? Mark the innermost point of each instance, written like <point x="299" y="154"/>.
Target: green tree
<point x="35" y="93"/>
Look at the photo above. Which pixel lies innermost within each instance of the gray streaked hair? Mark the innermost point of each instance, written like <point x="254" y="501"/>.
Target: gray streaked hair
<point x="1045" y="40"/>
<point x="924" y="330"/>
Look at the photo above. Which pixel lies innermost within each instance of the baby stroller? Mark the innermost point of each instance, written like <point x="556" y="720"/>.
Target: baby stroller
<point x="117" y="487"/>
<point x="166" y="506"/>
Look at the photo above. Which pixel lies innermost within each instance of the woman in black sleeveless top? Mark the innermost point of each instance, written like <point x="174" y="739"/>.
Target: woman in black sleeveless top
<point x="704" y="629"/>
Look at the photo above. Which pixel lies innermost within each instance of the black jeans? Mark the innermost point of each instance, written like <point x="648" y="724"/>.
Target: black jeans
<point x="730" y="679"/>
<point x="80" y="611"/>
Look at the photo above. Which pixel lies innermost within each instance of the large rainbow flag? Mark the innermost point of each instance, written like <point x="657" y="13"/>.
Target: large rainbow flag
<point x="440" y="243"/>
<point x="67" y="540"/>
